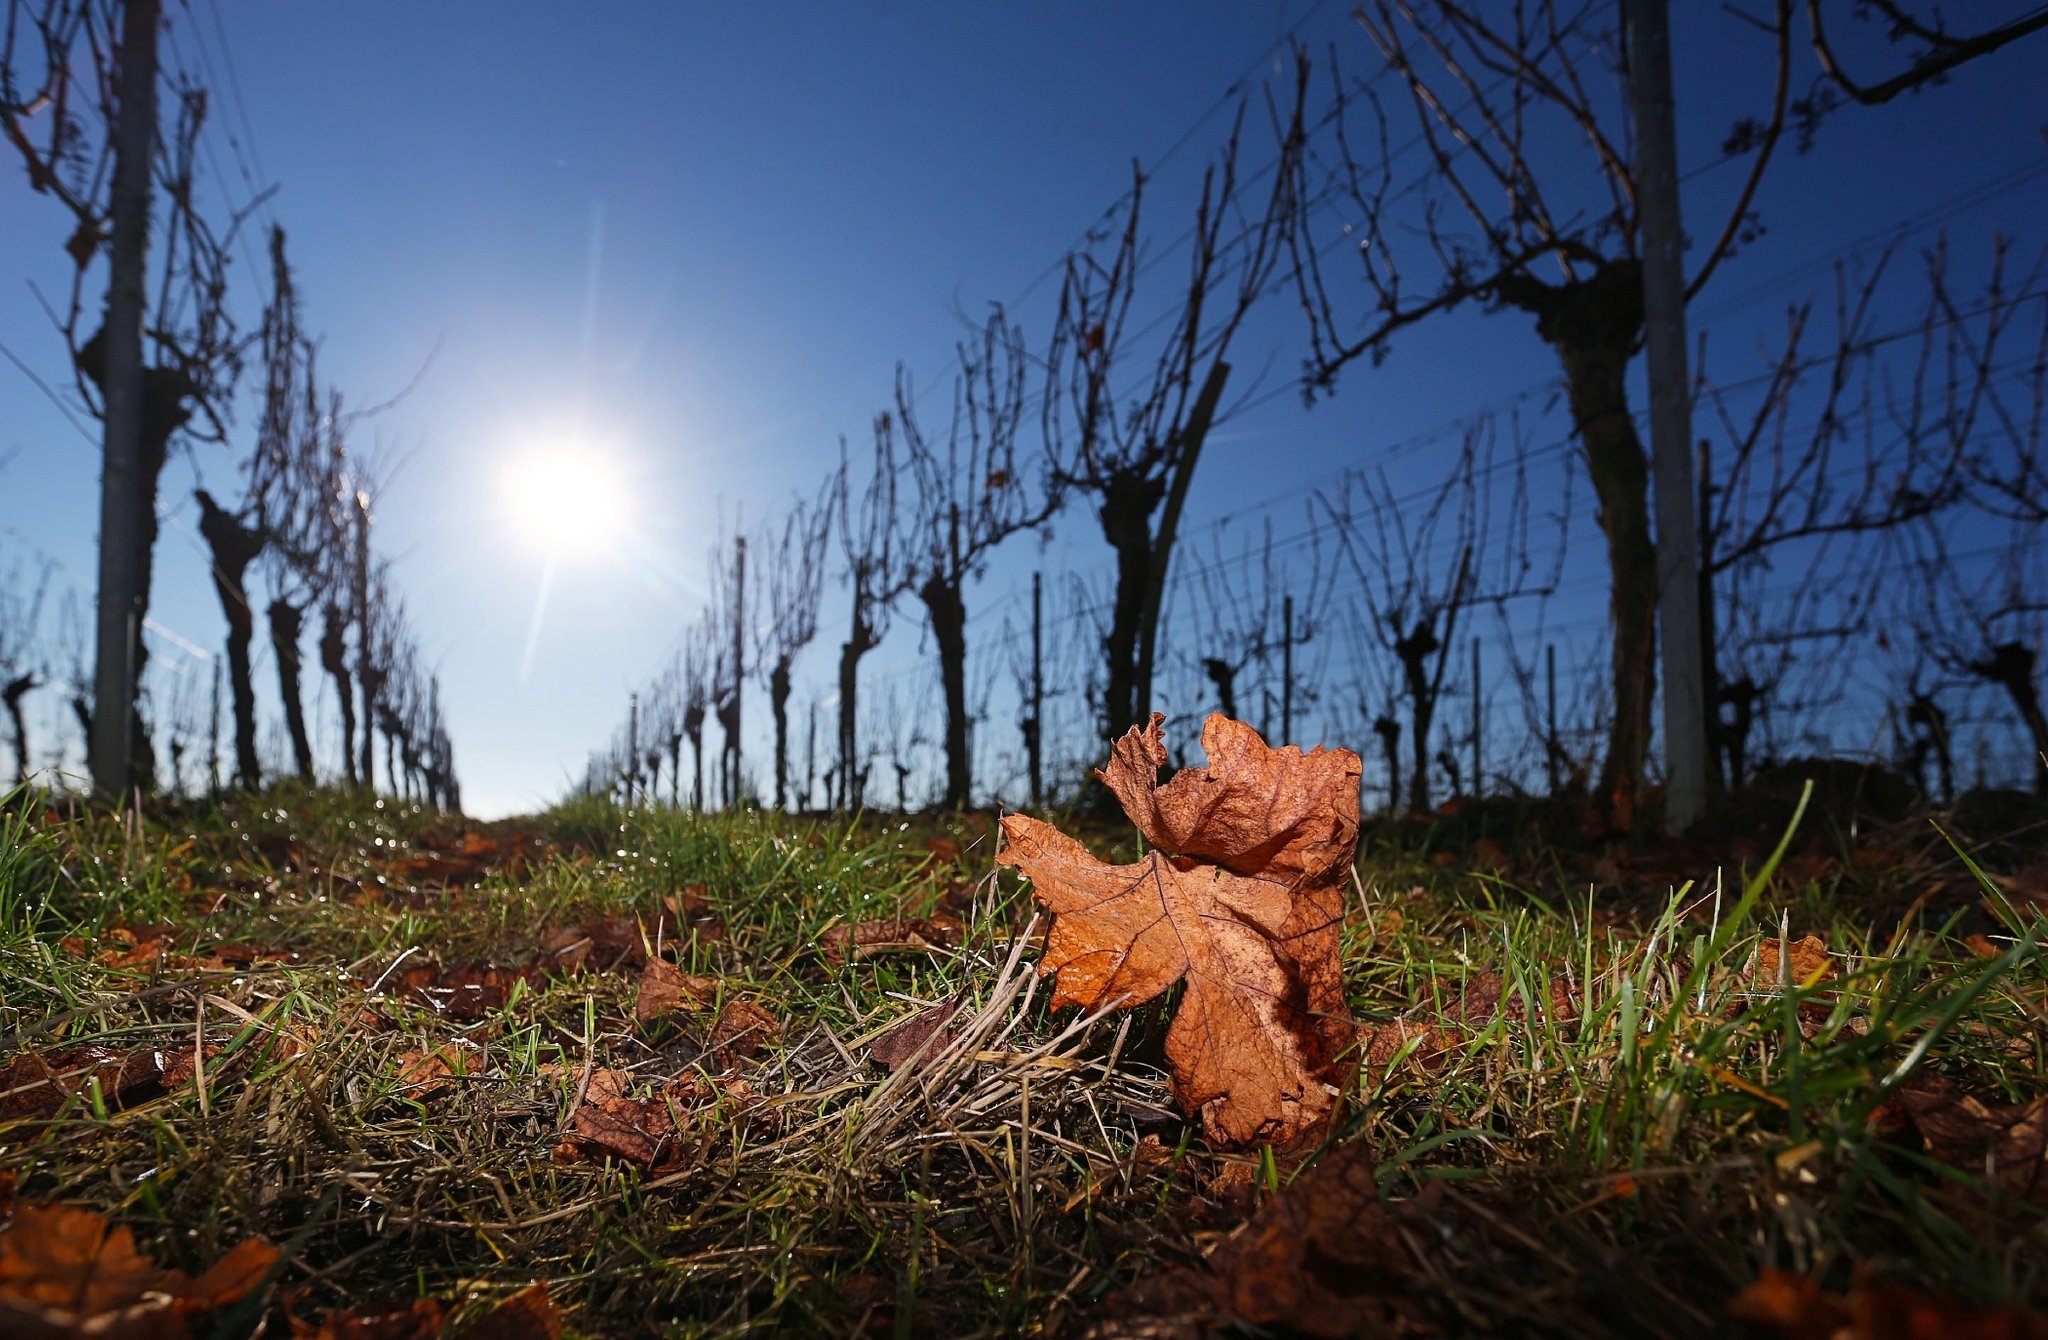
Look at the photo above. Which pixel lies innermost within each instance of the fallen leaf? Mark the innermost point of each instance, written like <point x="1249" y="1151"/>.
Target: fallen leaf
<point x="39" y="1084"/>
<point x="530" y="1314"/>
<point x="602" y="944"/>
<point x="692" y="909"/>
<point x="464" y="992"/>
<point x="1380" y="1044"/>
<point x="391" y="1319"/>
<point x="1246" y="910"/>
<point x="648" y="1132"/>
<point x="740" y="1031"/>
<point x="872" y="1298"/>
<point x="424" y="1074"/>
<point x="1810" y="963"/>
<point x="893" y="936"/>
<point x="895" y="1048"/>
<point x="610" y="1121"/>
<point x="2005" y="1144"/>
<point x="1798" y="1308"/>
<point x="1486" y="997"/>
<point x="66" y="1271"/>
<point x="1323" y="1258"/>
<point x="665" y="988"/>
<point x="943" y="849"/>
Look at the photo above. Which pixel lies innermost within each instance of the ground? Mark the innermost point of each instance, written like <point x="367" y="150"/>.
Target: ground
<point x="730" y="1073"/>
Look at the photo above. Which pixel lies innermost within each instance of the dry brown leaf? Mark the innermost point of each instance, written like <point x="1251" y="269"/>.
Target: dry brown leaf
<point x="692" y="910"/>
<point x="740" y="1031"/>
<point x="1810" y="963"/>
<point x="657" y="1132"/>
<point x="1323" y="1258"/>
<point x="1246" y="910"/>
<point x="611" y="1121"/>
<point x="906" y="1040"/>
<point x="38" y="1084"/>
<point x="1798" y="1308"/>
<point x="896" y="935"/>
<point x="665" y="988"/>
<point x="2006" y="1145"/>
<point x="426" y="1073"/>
<point x="604" y="944"/>
<point x="391" y="1319"/>
<point x="529" y="1314"/>
<point x="1486" y="997"/>
<point x="1380" y="1044"/>
<point x="66" y="1271"/>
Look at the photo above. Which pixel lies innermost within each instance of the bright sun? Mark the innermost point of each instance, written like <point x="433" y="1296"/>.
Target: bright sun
<point x="565" y="501"/>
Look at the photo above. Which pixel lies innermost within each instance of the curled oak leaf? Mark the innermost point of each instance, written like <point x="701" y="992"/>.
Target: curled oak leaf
<point x="66" y="1271"/>
<point x="1247" y="913"/>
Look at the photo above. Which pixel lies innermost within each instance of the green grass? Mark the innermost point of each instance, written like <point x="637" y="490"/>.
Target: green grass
<point x="1621" y="1166"/>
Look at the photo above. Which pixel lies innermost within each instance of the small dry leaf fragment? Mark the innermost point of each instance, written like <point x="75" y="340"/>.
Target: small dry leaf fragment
<point x="530" y="1314"/>
<point x="1796" y="1307"/>
<point x="605" y="944"/>
<point x="66" y="1271"/>
<point x="657" y="1132"/>
<point x="1246" y="910"/>
<point x="692" y="910"/>
<point x="1323" y="1258"/>
<point x="1806" y="964"/>
<point x="1487" y="996"/>
<point x="894" y="936"/>
<point x="1424" y="1045"/>
<point x="922" y="1034"/>
<point x="425" y="1073"/>
<point x="665" y="988"/>
<point x="2005" y="1144"/>
<point x="464" y="992"/>
<point x="871" y="1298"/>
<point x="740" y="1031"/>
<point x="391" y="1319"/>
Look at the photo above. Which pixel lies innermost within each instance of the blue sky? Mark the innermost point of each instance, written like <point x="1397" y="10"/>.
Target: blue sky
<point x="700" y="237"/>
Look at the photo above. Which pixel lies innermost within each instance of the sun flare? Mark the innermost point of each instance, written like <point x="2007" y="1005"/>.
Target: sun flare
<point x="565" y="500"/>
